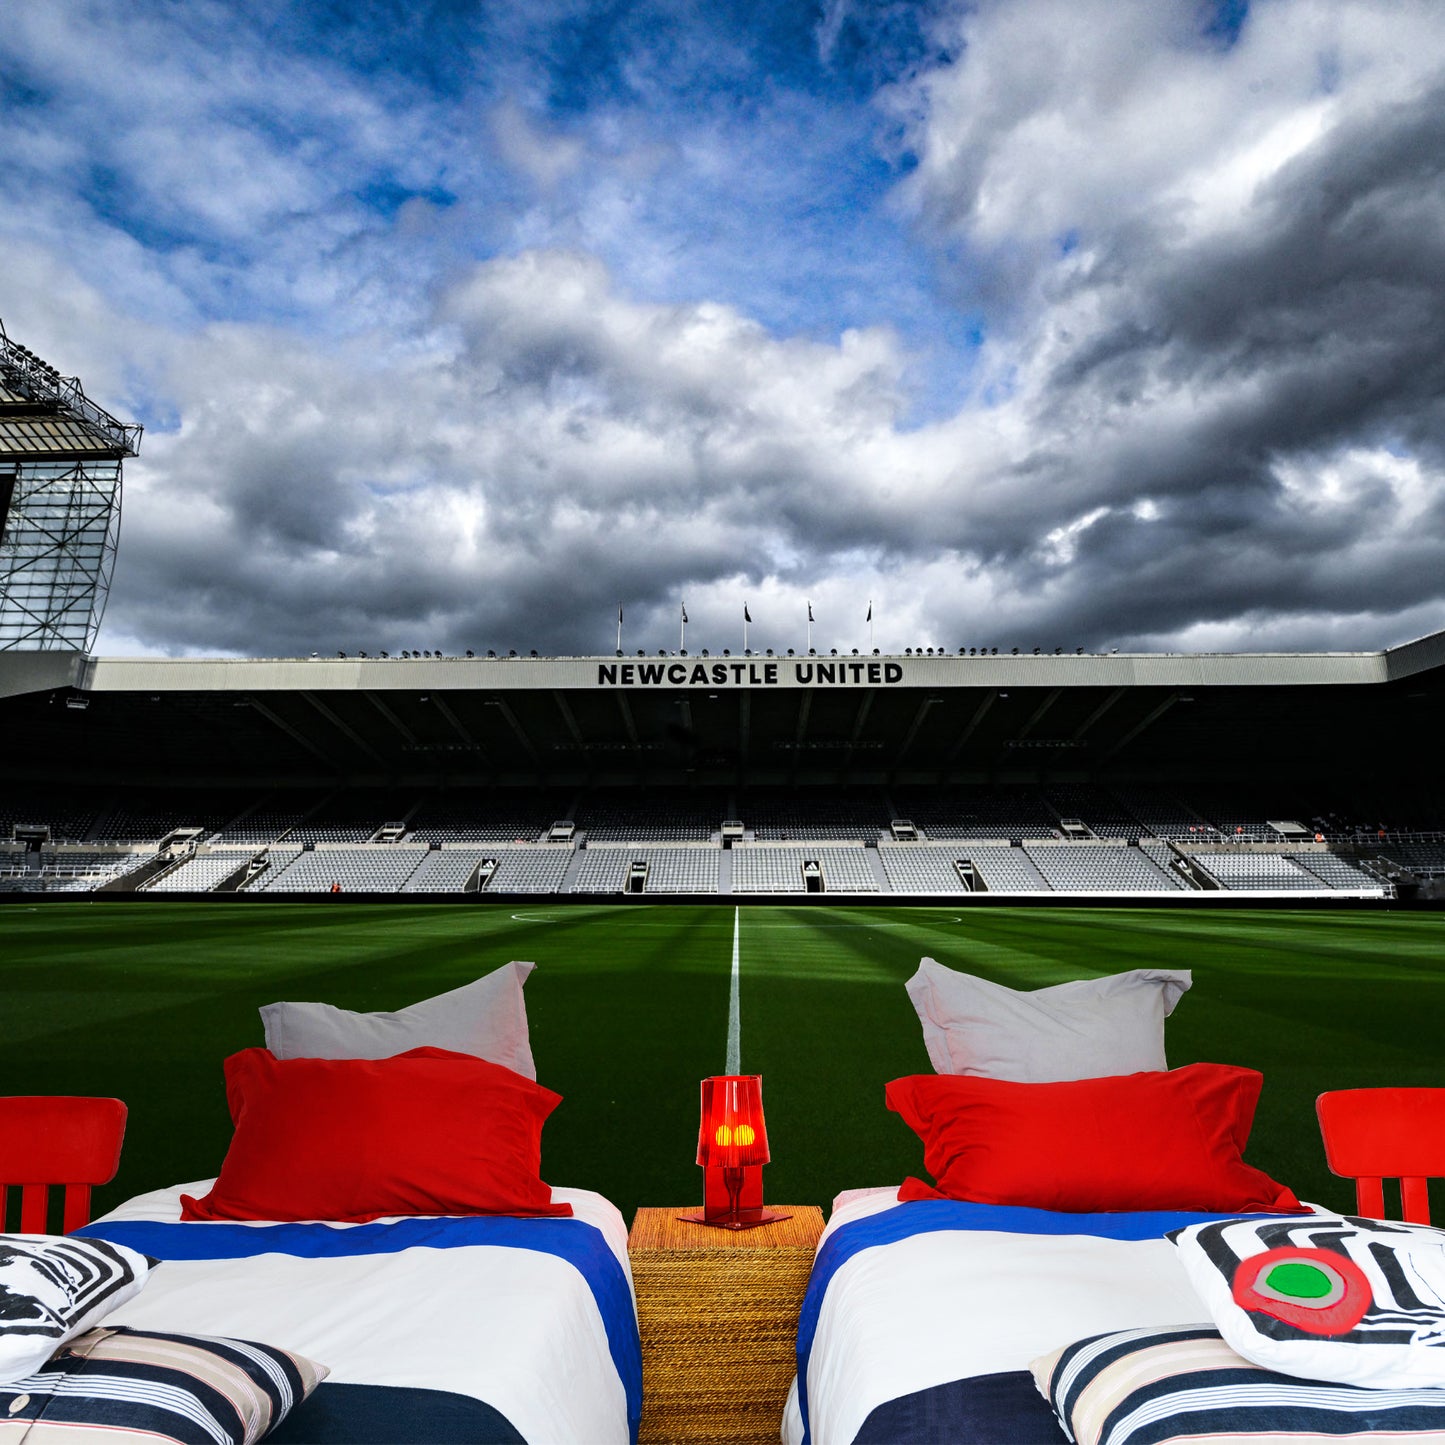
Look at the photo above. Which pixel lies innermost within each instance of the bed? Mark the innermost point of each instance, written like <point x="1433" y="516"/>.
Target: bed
<point x="435" y="1329"/>
<point x="921" y="1318"/>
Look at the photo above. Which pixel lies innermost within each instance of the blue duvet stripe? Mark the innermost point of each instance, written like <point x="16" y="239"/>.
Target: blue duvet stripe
<point x="930" y="1216"/>
<point x="581" y="1244"/>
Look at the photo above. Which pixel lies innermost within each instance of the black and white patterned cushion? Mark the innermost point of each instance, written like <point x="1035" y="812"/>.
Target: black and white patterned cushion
<point x="1326" y="1296"/>
<point x="53" y="1287"/>
<point x="1162" y="1386"/>
<point x="125" y="1386"/>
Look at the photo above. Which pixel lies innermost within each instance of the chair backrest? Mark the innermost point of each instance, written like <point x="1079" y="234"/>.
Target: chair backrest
<point x="1376" y="1134"/>
<point x="50" y="1140"/>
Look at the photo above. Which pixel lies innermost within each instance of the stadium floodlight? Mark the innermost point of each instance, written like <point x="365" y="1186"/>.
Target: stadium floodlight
<point x="60" y="495"/>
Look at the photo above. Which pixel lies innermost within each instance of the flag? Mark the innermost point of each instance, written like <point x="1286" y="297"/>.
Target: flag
<point x="684" y="611"/>
<point x="869" y="617"/>
<point x="619" y="614"/>
<point x="747" y="616"/>
<point x="810" y="612"/>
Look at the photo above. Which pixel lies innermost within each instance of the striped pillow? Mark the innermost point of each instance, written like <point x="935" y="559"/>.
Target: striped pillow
<point x="127" y="1385"/>
<point x="1156" y="1386"/>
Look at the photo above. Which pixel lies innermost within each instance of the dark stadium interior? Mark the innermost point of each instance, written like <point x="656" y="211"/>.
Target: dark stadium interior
<point x="1377" y="745"/>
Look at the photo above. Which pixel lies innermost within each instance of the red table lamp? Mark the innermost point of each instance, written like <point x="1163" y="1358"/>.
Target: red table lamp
<point x="732" y="1147"/>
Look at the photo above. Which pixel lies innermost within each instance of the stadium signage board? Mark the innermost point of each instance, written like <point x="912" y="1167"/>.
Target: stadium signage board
<point x="746" y="673"/>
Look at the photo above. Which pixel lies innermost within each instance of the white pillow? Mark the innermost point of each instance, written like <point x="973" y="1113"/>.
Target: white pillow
<point x="1325" y="1296"/>
<point x="54" y="1287"/>
<point x="1080" y="1030"/>
<point x="487" y="1018"/>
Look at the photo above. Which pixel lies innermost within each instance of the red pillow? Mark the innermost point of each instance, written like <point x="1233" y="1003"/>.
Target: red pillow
<point x="1167" y="1140"/>
<point x="424" y="1132"/>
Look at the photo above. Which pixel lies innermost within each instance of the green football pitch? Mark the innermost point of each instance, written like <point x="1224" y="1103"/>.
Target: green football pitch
<point x="629" y="1008"/>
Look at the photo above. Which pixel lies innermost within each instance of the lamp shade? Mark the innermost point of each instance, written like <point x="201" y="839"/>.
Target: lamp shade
<point x="732" y="1133"/>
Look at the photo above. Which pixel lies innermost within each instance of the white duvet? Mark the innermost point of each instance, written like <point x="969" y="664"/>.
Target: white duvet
<point x="938" y="1307"/>
<point x="517" y="1328"/>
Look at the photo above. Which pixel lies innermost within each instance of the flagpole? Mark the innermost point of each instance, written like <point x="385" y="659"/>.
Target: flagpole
<point x="619" y="627"/>
<point x="810" y="627"/>
<point x="682" y="635"/>
<point x="870" y="624"/>
<point x="746" y="620"/>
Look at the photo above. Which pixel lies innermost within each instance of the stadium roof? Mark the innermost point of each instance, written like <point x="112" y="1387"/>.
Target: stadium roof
<point x="735" y="720"/>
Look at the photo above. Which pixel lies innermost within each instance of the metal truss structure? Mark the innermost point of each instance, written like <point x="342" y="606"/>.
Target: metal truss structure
<point x="60" y="492"/>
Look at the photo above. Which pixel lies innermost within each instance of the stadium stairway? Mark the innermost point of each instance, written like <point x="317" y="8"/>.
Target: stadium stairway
<point x="875" y="862"/>
<point x="574" y="867"/>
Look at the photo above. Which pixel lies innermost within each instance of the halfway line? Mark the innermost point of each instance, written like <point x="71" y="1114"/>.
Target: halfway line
<point x="735" y="1013"/>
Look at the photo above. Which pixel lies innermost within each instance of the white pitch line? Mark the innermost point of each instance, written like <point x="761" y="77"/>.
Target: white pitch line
<point x="735" y="1013"/>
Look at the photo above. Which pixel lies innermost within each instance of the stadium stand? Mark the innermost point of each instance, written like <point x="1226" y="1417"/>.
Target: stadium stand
<point x="132" y="815"/>
<point x="774" y="869"/>
<point x="357" y="870"/>
<point x="1098" y="868"/>
<point x="270" y="820"/>
<point x="1334" y="871"/>
<point x="978" y="813"/>
<point x="67" y="812"/>
<point x="200" y="873"/>
<point x="662" y="816"/>
<point x="602" y="870"/>
<point x="1007" y="870"/>
<point x="446" y="870"/>
<point x="1424" y="859"/>
<point x="783" y="815"/>
<point x="1164" y="817"/>
<point x="682" y="870"/>
<point x="477" y="815"/>
<point x="921" y="868"/>
<point x="530" y="870"/>
<point x="352" y="817"/>
<point x="1257" y="870"/>
<point x="75" y="870"/>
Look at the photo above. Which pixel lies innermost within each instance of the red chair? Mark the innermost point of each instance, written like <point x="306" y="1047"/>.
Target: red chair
<point x="56" y="1140"/>
<point x="1376" y="1134"/>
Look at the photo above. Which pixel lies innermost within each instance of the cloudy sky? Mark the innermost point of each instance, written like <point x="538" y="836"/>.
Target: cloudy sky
<point x="1099" y="323"/>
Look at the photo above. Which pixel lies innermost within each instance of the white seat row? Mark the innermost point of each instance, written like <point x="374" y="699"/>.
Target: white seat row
<point x="780" y="870"/>
<point x="1100" y="868"/>
<point x="201" y="873"/>
<point x="1257" y="870"/>
<point x="357" y="870"/>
